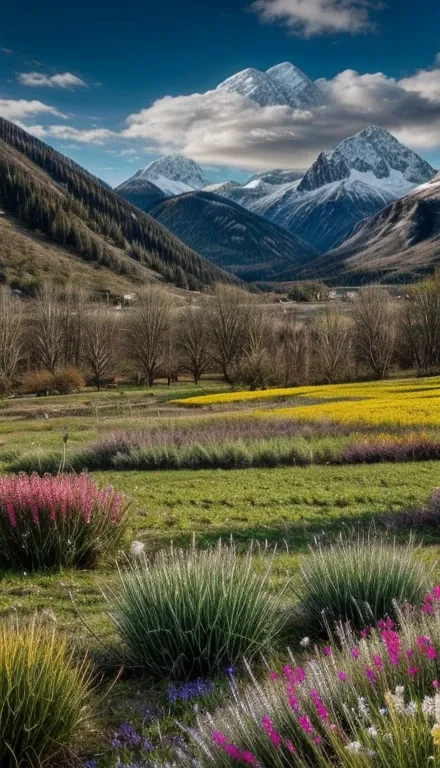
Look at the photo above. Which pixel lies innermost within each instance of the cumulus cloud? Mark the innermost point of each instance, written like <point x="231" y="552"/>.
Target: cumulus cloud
<point x="61" y="80"/>
<point x="19" y="109"/>
<point x="317" y="17"/>
<point x="229" y="129"/>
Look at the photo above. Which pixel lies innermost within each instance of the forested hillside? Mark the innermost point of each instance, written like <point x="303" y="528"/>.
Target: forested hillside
<point x="51" y="194"/>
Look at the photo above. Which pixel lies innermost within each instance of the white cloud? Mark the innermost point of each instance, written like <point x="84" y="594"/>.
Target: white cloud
<point x="228" y="129"/>
<point x="87" y="136"/>
<point x="61" y="80"/>
<point x="316" y="17"/>
<point x="19" y="109"/>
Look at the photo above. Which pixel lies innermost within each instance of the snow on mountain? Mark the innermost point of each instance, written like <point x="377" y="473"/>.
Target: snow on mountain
<point x="357" y="179"/>
<point x="281" y="85"/>
<point x="299" y="90"/>
<point x="277" y="176"/>
<point x="173" y="174"/>
<point x="373" y="151"/>
<point x="257" y="86"/>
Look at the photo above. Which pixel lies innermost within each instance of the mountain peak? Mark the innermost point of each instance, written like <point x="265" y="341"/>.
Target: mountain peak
<point x="173" y="174"/>
<point x="374" y="155"/>
<point x="281" y="85"/>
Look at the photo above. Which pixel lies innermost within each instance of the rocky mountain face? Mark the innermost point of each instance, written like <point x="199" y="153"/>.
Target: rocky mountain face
<point x="239" y="241"/>
<point x="357" y="179"/>
<point x="282" y="85"/>
<point x="140" y="192"/>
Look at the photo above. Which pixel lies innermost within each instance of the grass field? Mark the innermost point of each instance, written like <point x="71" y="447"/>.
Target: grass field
<point x="283" y="506"/>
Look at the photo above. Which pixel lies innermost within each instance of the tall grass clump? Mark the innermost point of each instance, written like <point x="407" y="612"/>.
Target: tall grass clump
<point x="194" y="612"/>
<point x="369" y="699"/>
<point x="45" y="697"/>
<point x="357" y="579"/>
<point x="56" y="522"/>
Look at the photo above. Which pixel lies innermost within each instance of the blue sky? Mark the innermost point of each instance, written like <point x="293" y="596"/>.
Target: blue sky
<point x="74" y="72"/>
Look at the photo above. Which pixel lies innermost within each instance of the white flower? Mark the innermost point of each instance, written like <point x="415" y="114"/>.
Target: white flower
<point x="354" y="746"/>
<point x="437" y="707"/>
<point x="305" y="642"/>
<point x="362" y="706"/>
<point x="137" y="548"/>
<point x="372" y="731"/>
<point x="411" y="708"/>
<point x="383" y="711"/>
<point x="388" y="737"/>
<point x="400" y="690"/>
<point x="428" y="705"/>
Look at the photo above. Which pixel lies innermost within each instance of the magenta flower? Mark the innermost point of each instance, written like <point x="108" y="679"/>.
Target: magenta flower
<point x="306" y="725"/>
<point x="370" y="674"/>
<point x="320" y="708"/>
<point x="413" y="671"/>
<point x="327" y="650"/>
<point x="391" y="640"/>
<point x="274" y="676"/>
<point x="271" y="732"/>
<point x="436" y="684"/>
<point x="290" y="747"/>
<point x="355" y="652"/>
<point x="343" y="676"/>
<point x="378" y="663"/>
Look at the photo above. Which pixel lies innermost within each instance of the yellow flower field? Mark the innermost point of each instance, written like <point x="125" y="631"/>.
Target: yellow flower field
<point x="405" y="402"/>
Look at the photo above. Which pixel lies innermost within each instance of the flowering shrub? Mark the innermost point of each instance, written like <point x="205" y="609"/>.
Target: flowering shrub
<point x="368" y="700"/>
<point x="357" y="579"/>
<point x="45" y="698"/>
<point x="193" y="612"/>
<point x="61" y="521"/>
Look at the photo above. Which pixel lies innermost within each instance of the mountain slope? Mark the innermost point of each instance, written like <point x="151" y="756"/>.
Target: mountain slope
<point x="399" y="244"/>
<point x="357" y="179"/>
<point x="235" y="239"/>
<point x="140" y="192"/>
<point x="50" y="193"/>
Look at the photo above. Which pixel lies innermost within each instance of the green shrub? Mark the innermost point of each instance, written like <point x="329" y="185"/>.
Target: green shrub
<point x="45" y="698"/>
<point x="356" y="579"/>
<point x="194" y="612"/>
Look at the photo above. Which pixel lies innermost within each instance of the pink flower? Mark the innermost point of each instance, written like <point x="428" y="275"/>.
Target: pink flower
<point x="343" y="676"/>
<point x="409" y="653"/>
<point x="378" y="663"/>
<point x="391" y="640"/>
<point x="436" y="592"/>
<point x="327" y="650"/>
<point x="386" y="624"/>
<point x="274" y="676"/>
<point x="355" y="652"/>
<point x="219" y="738"/>
<point x="271" y="732"/>
<point x="249" y="758"/>
<point x="413" y="671"/>
<point x="306" y="725"/>
<point x="436" y="684"/>
<point x="370" y="674"/>
<point x="320" y="708"/>
<point x="290" y="747"/>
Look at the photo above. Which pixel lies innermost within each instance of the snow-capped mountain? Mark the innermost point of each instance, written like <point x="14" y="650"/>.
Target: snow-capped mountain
<point x="400" y="243"/>
<point x="140" y="192"/>
<point x="281" y="85"/>
<point x="276" y="177"/>
<point x="358" y="178"/>
<point x="375" y="155"/>
<point x="173" y="174"/>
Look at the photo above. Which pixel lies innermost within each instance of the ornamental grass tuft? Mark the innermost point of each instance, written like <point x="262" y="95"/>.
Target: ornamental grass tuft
<point x="45" y="697"/>
<point x="57" y="522"/>
<point x="195" y="612"/>
<point x="357" y="579"/>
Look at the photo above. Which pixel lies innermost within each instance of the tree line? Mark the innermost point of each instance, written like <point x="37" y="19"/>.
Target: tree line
<point x="227" y="332"/>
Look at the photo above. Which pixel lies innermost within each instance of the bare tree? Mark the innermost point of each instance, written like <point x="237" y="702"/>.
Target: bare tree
<point x="374" y="329"/>
<point x="98" y="347"/>
<point x="332" y="342"/>
<point x="11" y="334"/>
<point x="227" y="313"/>
<point x="193" y="342"/>
<point x="73" y="302"/>
<point x="148" y="330"/>
<point x="293" y="350"/>
<point x="256" y="367"/>
<point x="420" y="325"/>
<point x="48" y="330"/>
